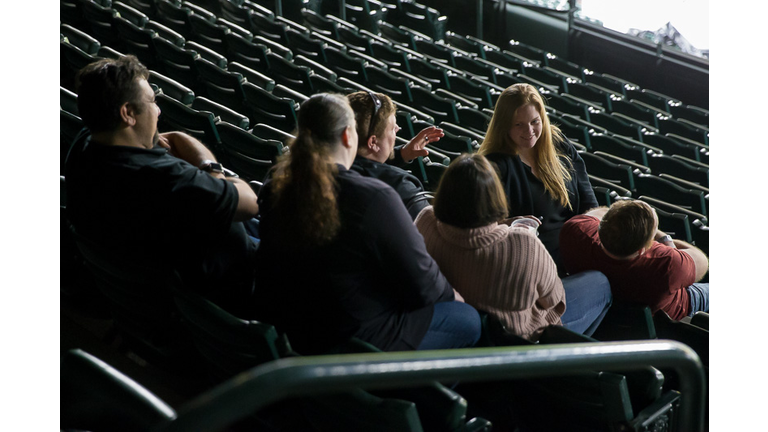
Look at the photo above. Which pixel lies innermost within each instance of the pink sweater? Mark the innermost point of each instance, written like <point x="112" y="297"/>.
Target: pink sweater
<point x="504" y="271"/>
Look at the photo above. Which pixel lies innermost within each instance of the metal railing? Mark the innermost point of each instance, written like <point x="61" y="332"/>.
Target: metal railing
<point x="263" y="385"/>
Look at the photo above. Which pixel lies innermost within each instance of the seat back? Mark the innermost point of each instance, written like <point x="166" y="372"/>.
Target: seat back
<point x="264" y="107"/>
<point x="227" y="344"/>
<point x="626" y="321"/>
<point x="179" y="117"/>
<point x="96" y="396"/>
<point x="248" y="155"/>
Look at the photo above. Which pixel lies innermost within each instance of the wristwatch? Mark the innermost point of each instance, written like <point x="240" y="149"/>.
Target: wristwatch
<point x="666" y="239"/>
<point x="211" y="166"/>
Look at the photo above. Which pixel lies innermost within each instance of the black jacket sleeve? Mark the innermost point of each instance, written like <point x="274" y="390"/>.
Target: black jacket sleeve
<point x="400" y="250"/>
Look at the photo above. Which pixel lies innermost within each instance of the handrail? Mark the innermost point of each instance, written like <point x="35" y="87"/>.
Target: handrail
<point x="256" y="388"/>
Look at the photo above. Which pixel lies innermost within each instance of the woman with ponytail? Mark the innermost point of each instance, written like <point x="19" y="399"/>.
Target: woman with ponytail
<point x="541" y="172"/>
<point x="339" y="255"/>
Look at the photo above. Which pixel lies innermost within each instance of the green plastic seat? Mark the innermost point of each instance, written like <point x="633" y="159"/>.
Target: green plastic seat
<point x="262" y="106"/>
<point x="681" y="167"/>
<point x="177" y="116"/>
<point x="666" y="190"/>
<point x="172" y="88"/>
<point x="246" y="154"/>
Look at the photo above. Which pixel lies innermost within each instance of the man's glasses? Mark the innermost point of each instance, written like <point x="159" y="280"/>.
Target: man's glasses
<point x="376" y="108"/>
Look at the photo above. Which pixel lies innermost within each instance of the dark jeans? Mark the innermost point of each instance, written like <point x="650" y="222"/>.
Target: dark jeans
<point x="454" y="325"/>
<point x="587" y="299"/>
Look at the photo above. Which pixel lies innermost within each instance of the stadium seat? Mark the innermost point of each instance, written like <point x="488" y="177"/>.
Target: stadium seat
<point x="289" y="74"/>
<point x="209" y="33"/>
<point x="174" y="15"/>
<point x="87" y="43"/>
<point x="635" y="111"/>
<point x="701" y="320"/>
<point x="396" y="87"/>
<point x="626" y="321"/>
<point x="591" y="94"/>
<point x="71" y="60"/>
<point x="672" y="146"/>
<point x="479" y="94"/>
<point x="346" y="66"/>
<point x="609" y="170"/>
<point x="95" y="396"/>
<point x="172" y="88"/>
<point x="699" y="116"/>
<point x="666" y="190"/>
<point x="318" y="23"/>
<point x="442" y="109"/>
<point x="687" y="130"/>
<point x="180" y="117"/>
<point x="268" y="132"/>
<point x="252" y="54"/>
<point x="221" y="112"/>
<point x="608" y="144"/>
<point x="610" y="191"/>
<point x="610" y="82"/>
<point x="616" y="125"/>
<point x="252" y="76"/>
<point x="648" y="97"/>
<point x="137" y="40"/>
<point x="355" y="40"/>
<point x="262" y="106"/>
<point x="68" y="101"/>
<point x="228" y="345"/>
<point x="526" y="50"/>
<point x="269" y="29"/>
<point x="681" y="167"/>
<point x="397" y="35"/>
<point x="220" y="85"/>
<point x="100" y="20"/>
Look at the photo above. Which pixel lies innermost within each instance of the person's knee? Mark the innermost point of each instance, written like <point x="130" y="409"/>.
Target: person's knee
<point x="467" y="320"/>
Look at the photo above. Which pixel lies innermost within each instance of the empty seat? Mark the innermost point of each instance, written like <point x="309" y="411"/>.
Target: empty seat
<point x="665" y="190"/>
<point x="221" y="85"/>
<point x="687" y="130"/>
<point x="606" y="169"/>
<point x="289" y="74"/>
<point x="608" y="144"/>
<point x="526" y="50"/>
<point x="248" y="155"/>
<point x="680" y="166"/>
<point x="80" y="39"/>
<point x="442" y="109"/>
<point x="221" y="112"/>
<point x="264" y="107"/>
<point x="177" y="116"/>
<point x="396" y="87"/>
<point x="617" y="125"/>
<point x="249" y="53"/>
<point x="347" y="66"/>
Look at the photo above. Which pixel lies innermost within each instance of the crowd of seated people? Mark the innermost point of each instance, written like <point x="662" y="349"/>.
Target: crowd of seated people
<point x="514" y="231"/>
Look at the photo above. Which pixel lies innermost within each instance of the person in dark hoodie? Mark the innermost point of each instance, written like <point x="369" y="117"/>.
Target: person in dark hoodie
<point x="377" y="133"/>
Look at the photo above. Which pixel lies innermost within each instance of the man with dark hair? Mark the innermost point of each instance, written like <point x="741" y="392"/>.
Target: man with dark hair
<point x="643" y="264"/>
<point x="155" y="198"/>
<point x="377" y="133"/>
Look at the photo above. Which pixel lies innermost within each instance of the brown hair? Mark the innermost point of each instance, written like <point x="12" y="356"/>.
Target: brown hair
<point x="626" y="227"/>
<point x="104" y="86"/>
<point x="363" y="106"/>
<point x="304" y="181"/>
<point x="552" y="172"/>
<point x="470" y="193"/>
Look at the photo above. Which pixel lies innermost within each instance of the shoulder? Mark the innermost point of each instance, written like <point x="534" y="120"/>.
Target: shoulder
<point x="582" y="223"/>
<point x="364" y="189"/>
<point x="426" y="217"/>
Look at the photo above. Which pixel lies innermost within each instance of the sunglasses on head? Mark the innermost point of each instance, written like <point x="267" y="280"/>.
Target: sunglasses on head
<point x="376" y="108"/>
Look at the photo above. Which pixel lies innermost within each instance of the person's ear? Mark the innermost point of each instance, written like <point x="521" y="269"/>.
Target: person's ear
<point x="128" y="114"/>
<point x="346" y="137"/>
<point x="373" y="144"/>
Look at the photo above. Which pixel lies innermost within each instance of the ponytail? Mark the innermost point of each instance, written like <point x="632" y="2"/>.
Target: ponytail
<point x="304" y="182"/>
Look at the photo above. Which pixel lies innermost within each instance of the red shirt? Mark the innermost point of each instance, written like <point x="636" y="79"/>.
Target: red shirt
<point x="658" y="278"/>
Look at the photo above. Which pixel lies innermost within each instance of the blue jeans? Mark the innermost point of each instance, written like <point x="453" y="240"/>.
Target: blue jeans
<point x="454" y="325"/>
<point x="587" y="299"/>
<point x="699" y="294"/>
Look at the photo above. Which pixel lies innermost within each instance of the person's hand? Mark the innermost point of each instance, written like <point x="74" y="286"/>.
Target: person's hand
<point x="415" y="147"/>
<point x="509" y="221"/>
<point x="458" y="296"/>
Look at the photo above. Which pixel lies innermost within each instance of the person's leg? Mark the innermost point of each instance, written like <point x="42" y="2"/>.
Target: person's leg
<point x="454" y="325"/>
<point x="699" y="294"/>
<point x="252" y="229"/>
<point x="587" y="299"/>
